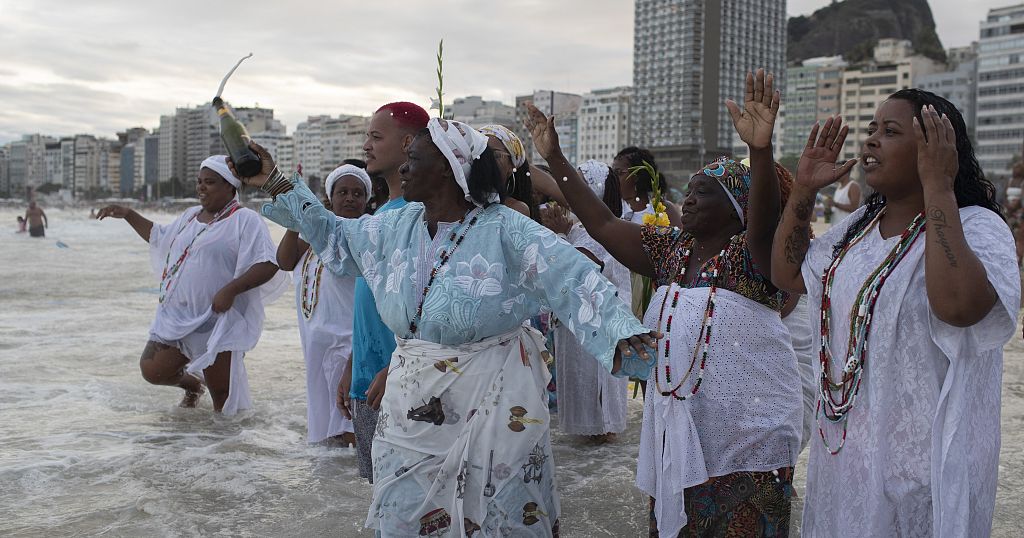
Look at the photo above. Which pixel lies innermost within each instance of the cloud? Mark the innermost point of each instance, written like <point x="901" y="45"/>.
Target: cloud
<point x="99" y="66"/>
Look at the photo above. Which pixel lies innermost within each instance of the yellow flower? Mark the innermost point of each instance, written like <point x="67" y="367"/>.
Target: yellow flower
<point x="662" y="220"/>
<point x="649" y="219"/>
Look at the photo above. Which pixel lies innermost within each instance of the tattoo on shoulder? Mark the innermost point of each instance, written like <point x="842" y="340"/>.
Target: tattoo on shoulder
<point x="937" y="220"/>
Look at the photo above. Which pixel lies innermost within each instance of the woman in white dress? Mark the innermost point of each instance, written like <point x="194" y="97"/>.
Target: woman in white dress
<point x="918" y="292"/>
<point x="216" y="268"/>
<point x="591" y="401"/>
<point x="845" y="200"/>
<point x="721" y="430"/>
<point x="324" y="302"/>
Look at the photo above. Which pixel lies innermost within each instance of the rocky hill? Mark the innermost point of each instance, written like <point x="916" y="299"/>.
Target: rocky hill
<point x="852" y="27"/>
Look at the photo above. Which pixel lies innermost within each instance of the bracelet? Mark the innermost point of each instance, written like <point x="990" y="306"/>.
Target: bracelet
<point x="276" y="184"/>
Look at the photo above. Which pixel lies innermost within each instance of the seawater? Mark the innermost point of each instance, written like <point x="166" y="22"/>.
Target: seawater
<point x="87" y="447"/>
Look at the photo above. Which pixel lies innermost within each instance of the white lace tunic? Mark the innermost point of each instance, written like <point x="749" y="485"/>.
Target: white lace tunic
<point x="922" y="447"/>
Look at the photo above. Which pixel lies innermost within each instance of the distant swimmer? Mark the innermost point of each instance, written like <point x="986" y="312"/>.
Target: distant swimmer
<point x="217" y="269"/>
<point x="37" y="221"/>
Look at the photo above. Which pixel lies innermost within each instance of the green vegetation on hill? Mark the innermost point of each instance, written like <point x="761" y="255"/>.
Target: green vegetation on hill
<point x="853" y="27"/>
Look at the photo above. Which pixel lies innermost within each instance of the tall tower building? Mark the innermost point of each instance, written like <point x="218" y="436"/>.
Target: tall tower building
<point x="1000" y="102"/>
<point x="689" y="56"/>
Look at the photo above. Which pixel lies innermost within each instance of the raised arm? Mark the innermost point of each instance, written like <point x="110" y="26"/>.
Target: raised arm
<point x="817" y="168"/>
<point x="290" y="250"/>
<point x="620" y="237"/>
<point x="140" y="224"/>
<point x="959" y="291"/>
<point x="296" y="207"/>
<point x="755" y="124"/>
<point x="545" y="184"/>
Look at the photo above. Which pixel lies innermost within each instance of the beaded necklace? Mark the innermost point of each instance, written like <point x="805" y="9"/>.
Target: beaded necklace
<point x="703" y="339"/>
<point x="310" y="291"/>
<point x="453" y="241"/>
<point x="170" y="271"/>
<point x="839" y="397"/>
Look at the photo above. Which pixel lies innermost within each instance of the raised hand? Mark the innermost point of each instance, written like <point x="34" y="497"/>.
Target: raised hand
<point x="116" y="211"/>
<point x="937" y="163"/>
<point x="542" y="130"/>
<point x="265" y="159"/>
<point x="756" y="121"/>
<point x="817" y="167"/>
<point x="555" y="218"/>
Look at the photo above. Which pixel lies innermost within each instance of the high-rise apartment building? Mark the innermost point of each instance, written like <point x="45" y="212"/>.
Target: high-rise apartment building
<point x="603" y="124"/>
<point x="959" y="86"/>
<point x="1000" y="102"/>
<point x="811" y="95"/>
<point x="689" y="56"/>
<point x="477" y="112"/>
<point x="321" y="143"/>
<point x="565" y="107"/>
<point x="27" y="162"/>
<point x="895" y="67"/>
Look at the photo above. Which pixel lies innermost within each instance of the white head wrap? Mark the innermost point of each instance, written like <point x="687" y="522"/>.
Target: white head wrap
<point x="348" y="170"/>
<point x="461" y="145"/>
<point x="1013" y="192"/>
<point x="219" y="164"/>
<point x="595" y="173"/>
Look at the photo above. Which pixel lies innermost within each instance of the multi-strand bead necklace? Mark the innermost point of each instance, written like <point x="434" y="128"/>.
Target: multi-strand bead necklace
<point x="170" y="271"/>
<point x="837" y="399"/>
<point x="703" y="339"/>
<point x="454" y="240"/>
<point x="310" y="289"/>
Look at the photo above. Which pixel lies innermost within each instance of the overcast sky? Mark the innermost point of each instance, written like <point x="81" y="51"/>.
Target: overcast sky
<point x="99" y="66"/>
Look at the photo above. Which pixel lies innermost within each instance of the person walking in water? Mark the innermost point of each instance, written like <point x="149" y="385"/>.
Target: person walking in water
<point x="210" y="260"/>
<point x="37" y="221"/>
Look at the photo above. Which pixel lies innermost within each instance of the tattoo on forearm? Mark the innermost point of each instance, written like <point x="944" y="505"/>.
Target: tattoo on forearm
<point x="937" y="220"/>
<point x="802" y="209"/>
<point x="797" y="243"/>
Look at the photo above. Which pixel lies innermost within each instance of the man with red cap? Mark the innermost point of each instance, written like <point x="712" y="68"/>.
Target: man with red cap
<point x="389" y="134"/>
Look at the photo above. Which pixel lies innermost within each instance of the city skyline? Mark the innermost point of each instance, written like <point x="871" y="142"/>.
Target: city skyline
<point x="132" y="64"/>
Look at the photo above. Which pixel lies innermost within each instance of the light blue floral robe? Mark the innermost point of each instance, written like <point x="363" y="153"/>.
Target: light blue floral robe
<point x="506" y="269"/>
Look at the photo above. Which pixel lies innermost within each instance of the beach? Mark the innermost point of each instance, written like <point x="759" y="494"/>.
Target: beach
<point x="87" y="447"/>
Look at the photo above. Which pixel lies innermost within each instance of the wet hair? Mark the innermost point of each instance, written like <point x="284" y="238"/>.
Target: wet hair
<point x="635" y="157"/>
<point x="520" y="186"/>
<point x="970" y="186"/>
<point x="409" y="116"/>
<point x="484" y="174"/>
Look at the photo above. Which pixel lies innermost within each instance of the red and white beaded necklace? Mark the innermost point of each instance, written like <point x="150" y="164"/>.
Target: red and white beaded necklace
<point x="170" y="271"/>
<point x="703" y="339"/>
<point x="837" y="399"/>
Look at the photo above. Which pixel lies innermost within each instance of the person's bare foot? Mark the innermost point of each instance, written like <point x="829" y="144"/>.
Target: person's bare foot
<point x="191" y="398"/>
<point x="347" y="439"/>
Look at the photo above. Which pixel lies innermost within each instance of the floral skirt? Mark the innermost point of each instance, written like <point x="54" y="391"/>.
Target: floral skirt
<point x="737" y="505"/>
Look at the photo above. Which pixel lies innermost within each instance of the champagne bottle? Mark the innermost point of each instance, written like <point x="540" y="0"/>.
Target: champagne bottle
<point x="233" y="133"/>
<point x="236" y="140"/>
